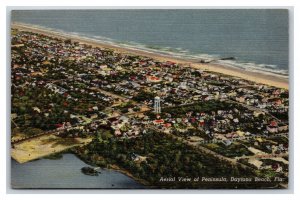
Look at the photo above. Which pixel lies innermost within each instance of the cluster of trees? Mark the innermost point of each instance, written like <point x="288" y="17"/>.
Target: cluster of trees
<point x="192" y="132"/>
<point x="51" y="108"/>
<point x="234" y="150"/>
<point x="24" y="102"/>
<point x="144" y="96"/>
<point x="73" y="133"/>
<point x="283" y="116"/>
<point x="165" y="157"/>
<point x="125" y="106"/>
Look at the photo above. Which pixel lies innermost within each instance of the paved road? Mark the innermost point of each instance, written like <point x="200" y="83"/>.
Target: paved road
<point x="51" y="132"/>
<point x="109" y="93"/>
<point x="216" y="141"/>
<point x="14" y="123"/>
<point x="264" y="156"/>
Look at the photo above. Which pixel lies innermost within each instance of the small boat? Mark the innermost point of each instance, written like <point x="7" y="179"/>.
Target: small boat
<point x="90" y="171"/>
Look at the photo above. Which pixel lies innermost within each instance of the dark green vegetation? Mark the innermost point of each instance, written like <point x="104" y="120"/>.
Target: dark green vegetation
<point x="143" y="96"/>
<point x="234" y="150"/>
<point x="155" y="155"/>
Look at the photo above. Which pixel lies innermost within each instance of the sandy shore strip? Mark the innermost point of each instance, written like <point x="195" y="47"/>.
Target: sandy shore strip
<point x="44" y="146"/>
<point x="263" y="78"/>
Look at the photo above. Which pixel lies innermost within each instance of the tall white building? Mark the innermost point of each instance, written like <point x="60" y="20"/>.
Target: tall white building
<point x="157" y="108"/>
<point x="183" y="85"/>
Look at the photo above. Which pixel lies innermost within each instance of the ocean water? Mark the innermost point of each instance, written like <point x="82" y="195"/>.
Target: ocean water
<point x="257" y="38"/>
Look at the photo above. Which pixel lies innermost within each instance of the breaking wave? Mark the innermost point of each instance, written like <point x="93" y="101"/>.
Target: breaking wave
<point x="171" y="51"/>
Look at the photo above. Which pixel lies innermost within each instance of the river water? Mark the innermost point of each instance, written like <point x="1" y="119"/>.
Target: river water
<point x="65" y="173"/>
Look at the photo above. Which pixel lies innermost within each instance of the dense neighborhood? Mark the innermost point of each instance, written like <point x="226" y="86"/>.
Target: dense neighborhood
<point x="150" y="118"/>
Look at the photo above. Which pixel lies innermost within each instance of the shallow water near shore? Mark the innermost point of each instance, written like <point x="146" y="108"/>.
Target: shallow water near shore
<point x="257" y="38"/>
<point x="65" y="173"/>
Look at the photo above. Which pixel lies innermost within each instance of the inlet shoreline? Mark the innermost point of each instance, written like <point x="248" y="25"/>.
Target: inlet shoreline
<point x="258" y="77"/>
<point x="112" y="167"/>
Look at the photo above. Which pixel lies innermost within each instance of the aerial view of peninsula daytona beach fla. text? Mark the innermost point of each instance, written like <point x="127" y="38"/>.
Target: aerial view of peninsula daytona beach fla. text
<point x="149" y="99"/>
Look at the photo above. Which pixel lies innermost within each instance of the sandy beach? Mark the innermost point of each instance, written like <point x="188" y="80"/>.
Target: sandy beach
<point x="268" y="79"/>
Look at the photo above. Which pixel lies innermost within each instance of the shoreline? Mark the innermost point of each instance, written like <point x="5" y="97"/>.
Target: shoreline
<point x="127" y="173"/>
<point x="257" y="77"/>
<point x="113" y="167"/>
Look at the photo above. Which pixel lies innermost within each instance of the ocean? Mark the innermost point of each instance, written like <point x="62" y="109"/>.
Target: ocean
<point x="257" y="38"/>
